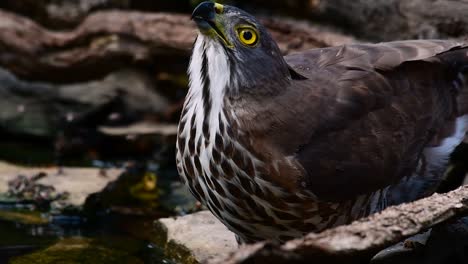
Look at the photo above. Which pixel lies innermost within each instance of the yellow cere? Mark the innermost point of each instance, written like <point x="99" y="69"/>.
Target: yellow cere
<point x="247" y="36"/>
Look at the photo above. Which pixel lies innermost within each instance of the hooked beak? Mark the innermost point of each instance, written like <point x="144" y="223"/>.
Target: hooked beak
<point x="206" y="15"/>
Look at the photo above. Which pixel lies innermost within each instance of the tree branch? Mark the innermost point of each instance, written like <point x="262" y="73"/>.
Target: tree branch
<point x="105" y="41"/>
<point x="359" y="241"/>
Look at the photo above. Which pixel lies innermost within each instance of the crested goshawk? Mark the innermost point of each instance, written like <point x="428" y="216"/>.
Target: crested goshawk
<point x="277" y="147"/>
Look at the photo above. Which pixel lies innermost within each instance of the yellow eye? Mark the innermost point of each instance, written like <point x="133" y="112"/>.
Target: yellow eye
<point x="247" y="36"/>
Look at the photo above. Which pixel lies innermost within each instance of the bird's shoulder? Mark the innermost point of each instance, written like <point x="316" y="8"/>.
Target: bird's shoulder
<point x="368" y="57"/>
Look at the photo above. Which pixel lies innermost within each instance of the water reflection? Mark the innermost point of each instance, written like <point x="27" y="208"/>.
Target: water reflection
<point x="111" y="232"/>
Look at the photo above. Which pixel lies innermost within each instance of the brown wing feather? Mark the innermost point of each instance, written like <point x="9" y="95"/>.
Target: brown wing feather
<point x="362" y="117"/>
<point x="388" y="101"/>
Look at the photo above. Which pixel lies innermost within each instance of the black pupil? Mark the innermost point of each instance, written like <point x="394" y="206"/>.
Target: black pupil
<point x="248" y="35"/>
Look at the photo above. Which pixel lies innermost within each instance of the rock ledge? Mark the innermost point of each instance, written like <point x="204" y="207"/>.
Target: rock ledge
<point x="194" y="238"/>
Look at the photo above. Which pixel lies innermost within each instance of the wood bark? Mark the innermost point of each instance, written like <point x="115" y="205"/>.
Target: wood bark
<point x="383" y="20"/>
<point x="398" y="19"/>
<point x="359" y="241"/>
<point x="61" y="14"/>
<point x="372" y="19"/>
<point x="105" y="41"/>
<point x="41" y="109"/>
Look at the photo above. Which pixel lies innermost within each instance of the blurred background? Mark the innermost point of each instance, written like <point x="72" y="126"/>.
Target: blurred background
<point x="90" y="96"/>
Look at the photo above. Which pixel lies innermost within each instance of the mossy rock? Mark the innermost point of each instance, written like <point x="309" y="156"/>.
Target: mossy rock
<point x="194" y="238"/>
<point x="135" y="188"/>
<point x="24" y="217"/>
<point x="78" y="250"/>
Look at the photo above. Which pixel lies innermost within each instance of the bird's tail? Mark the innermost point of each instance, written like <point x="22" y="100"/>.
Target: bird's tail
<point x="457" y="59"/>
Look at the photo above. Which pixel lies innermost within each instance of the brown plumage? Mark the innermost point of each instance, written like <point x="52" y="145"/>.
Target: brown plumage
<point x="320" y="138"/>
<point x="364" y="113"/>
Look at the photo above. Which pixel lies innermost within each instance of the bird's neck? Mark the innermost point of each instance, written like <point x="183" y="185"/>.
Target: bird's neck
<point x="209" y="80"/>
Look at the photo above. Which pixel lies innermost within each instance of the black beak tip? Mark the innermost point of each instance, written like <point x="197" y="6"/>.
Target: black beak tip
<point x="205" y="11"/>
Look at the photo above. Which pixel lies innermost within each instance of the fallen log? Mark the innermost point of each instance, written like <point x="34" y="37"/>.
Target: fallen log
<point x="398" y="19"/>
<point x="40" y="109"/>
<point x="359" y="241"/>
<point x="58" y="14"/>
<point x="381" y="20"/>
<point x="106" y="41"/>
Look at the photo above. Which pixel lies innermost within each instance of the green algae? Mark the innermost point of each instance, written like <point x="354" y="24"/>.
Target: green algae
<point x="174" y="251"/>
<point x="24" y="217"/>
<point x="78" y="250"/>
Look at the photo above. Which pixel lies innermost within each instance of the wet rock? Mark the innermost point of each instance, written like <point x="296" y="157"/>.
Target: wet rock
<point x="79" y="183"/>
<point x="194" y="238"/>
<point x="28" y="189"/>
<point x="80" y="250"/>
<point x="143" y="189"/>
<point x="135" y="191"/>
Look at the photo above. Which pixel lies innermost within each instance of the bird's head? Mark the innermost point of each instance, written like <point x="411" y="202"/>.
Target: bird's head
<point x="233" y="43"/>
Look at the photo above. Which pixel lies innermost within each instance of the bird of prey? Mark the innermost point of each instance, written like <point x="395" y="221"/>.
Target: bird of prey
<point x="277" y="147"/>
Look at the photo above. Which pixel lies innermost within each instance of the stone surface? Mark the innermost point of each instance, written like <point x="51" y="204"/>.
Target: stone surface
<point x="78" y="182"/>
<point x="39" y="109"/>
<point x="141" y="128"/>
<point x="195" y="238"/>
